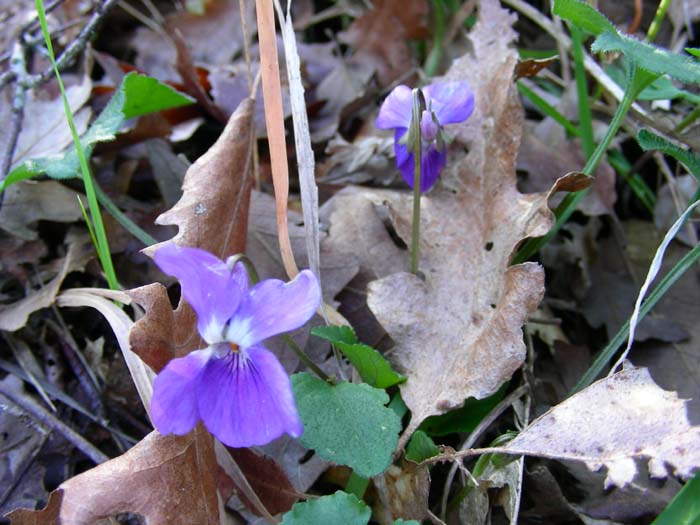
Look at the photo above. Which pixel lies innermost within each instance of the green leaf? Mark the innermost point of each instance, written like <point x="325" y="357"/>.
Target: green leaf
<point x="584" y="16"/>
<point x="369" y="363"/>
<point x="660" y="89"/>
<point x="137" y="95"/>
<point x="335" y="334"/>
<point x="695" y="51"/>
<point x="649" y="57"/>
<point x="147" y="95"/>
<point x="340" y="508"/>
<point x="684" y="508"/>
<point x="463" y="419"/>
<point x="421" y="447"/>
<point x="347" y="423"/>
<point x="651" y="141"/>
<point x="409" y="522"/>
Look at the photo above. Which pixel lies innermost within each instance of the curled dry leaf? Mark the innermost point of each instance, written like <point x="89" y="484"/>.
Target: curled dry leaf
<point x="212" y="214"/>
<point x="614" y="422"/>
<point x="164" y="479"/>
<point x="458" y="332"/>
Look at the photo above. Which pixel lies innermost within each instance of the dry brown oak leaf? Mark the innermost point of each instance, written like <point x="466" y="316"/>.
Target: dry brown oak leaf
<point x="164" y="479"/>
<point x="458" y="332"/>
<point x="212" y="214"/>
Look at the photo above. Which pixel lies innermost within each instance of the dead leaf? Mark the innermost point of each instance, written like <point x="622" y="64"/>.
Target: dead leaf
<point x="671" y="201"/>
<point x="229" y="86"/>
<point x="346" y="83"/>
<point x="403" y="492"/>
<point x="380" y="36"/>
<point x="50" y="134"/>
<point x="191" y="78"/>
<point x="267" y="479"/>
<point x="14" y="316"/>
<point x="610" y="301"/>
<point x="211" y="220"/>
<point x="28" y="202"/>
<point x="529" y="67"/>
<point x="545" y="161"/>
<point x="614" y="422"/>
<point x="365" y="159"/>
<point x="458" y="333"/>
<point x="163" y="479"/>
<point x="220" y="23"/>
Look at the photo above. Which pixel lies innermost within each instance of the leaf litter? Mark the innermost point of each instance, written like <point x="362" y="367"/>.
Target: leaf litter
<point x="454" y="332"/>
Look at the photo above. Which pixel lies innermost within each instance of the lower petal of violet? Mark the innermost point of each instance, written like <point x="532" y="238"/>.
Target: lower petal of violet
<point x="174" y="403"/>
<point x="432" y="162"/>
<point x="245" y="399"/>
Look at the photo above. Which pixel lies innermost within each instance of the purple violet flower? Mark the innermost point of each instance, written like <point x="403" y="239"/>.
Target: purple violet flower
<point x="235" y="386"/>
<point x="446" y="103"/>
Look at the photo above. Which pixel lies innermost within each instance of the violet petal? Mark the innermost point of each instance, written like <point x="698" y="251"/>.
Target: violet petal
<point x="432" y="162"/>
<point x="208" y="285"/>
<point x="273" y="307"/>
<point x="452" y="102"/>
<point x="245" y="399"/>
<point x="428" y="128"/>
<point x="396" y="110"/>
<point x="174" y="402"/>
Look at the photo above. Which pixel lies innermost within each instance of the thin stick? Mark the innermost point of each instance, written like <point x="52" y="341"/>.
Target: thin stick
<point x="274" y="121"/>
<point x="47" y="419"/>
<point x="476" y="433"/>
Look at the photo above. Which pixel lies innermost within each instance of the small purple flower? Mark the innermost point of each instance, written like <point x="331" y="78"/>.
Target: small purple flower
<point x="446" y="103"/>
<point x="235" y="386"/>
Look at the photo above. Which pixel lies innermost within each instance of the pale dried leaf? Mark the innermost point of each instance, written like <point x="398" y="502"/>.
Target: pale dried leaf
<point x="50" y="134"/>
<point x="14" y="316"/>
<point x="27" y="202"/>
<point x="614" y="423"/>
<point x="458" y="332"/>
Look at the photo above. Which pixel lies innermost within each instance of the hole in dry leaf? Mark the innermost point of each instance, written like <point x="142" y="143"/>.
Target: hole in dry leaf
<point x="493" y="305"/>
<point x="398" y="241"/>
<point x="129" y="518"/>
<point x="306" y="457"/>
<point x="488" y="246"/>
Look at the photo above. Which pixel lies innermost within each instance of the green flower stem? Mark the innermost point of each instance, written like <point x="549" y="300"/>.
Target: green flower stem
<point x="688" y="120"/>
<point x="568" y="205"/>
<point x="414" y="142"/>
<point x="129" y="225"/>
<point x="658" y="18"/>
<point x="306" y="360"/>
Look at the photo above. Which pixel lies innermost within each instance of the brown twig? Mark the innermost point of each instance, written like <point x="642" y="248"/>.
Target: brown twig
<point x="476" y="433"/>
<point x="69" y="54"/>
<point x="45" y="418"/>
<point x="19" y="99"/>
